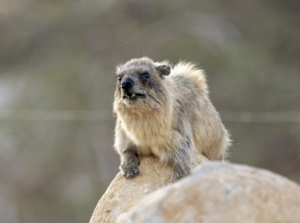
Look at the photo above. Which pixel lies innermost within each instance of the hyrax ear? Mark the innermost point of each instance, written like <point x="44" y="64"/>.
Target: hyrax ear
<point x="164" y="69"/>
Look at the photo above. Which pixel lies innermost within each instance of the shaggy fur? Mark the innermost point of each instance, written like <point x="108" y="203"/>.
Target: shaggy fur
<point x="166" y="113"/>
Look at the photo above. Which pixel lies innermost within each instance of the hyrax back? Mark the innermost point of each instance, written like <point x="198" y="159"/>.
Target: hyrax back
<point x="166" y="113"/>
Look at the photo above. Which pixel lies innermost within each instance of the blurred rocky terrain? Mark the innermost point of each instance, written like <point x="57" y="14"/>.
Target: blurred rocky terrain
<point x="124" y="194"/>
<point x="220" y="192"/>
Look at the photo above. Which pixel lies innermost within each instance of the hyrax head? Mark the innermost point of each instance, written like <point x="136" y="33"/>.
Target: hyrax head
<point x="141" y="81"/>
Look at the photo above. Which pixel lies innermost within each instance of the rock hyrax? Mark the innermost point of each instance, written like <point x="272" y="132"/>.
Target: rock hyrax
<point x="165" y="112"/>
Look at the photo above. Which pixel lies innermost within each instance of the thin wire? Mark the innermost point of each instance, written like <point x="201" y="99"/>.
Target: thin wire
<point x="260" y="117"/>
<point x="56" y="115"/>
<point x="226" y="116"/>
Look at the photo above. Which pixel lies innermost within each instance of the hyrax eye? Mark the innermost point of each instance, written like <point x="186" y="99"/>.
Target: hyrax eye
<point x="146" y="75"/>
<point x="119" y="78"/>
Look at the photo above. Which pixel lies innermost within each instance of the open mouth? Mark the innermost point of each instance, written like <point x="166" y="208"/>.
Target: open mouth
<point x="133" y="95"/>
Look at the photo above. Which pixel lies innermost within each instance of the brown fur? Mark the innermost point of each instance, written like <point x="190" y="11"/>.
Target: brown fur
<point x="174" y="121"/>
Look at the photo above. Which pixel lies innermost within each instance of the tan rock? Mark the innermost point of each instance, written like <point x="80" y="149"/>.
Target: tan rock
<point x="123" y="193"/>
<point x="219" y="192"/>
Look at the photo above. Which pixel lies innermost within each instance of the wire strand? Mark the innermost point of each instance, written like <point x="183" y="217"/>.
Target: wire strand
<point x="227" y="116"/>
<point x="260" y="117"/>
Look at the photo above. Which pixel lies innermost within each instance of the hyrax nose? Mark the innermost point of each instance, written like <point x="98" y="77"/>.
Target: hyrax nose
<point x="127" y="83"/>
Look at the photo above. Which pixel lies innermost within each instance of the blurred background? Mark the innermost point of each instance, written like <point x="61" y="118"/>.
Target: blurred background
<point x="57" y="61"/>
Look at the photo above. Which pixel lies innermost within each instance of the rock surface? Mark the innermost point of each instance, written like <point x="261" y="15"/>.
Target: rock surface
<point x="221" y="192"/>
<point x="123" y="193"/>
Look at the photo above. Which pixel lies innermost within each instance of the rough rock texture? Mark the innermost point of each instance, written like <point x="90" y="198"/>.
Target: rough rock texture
<point x="123" y="193"/>
<point x="218" y="192"/>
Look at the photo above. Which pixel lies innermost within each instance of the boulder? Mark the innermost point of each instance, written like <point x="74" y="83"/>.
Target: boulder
<point x="122" y="194"/>
<point x="221" y="192"/>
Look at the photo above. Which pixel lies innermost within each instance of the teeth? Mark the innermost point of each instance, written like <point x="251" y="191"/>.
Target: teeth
<point x="127" y="96"/>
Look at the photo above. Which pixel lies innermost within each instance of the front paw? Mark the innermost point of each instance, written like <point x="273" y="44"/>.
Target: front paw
<point x="129" y="169"/>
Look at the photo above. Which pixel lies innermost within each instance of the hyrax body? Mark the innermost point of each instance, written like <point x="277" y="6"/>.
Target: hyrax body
<point x="165" y="113"/>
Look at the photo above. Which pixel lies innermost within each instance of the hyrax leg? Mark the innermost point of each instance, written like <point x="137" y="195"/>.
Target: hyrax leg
<point x="181" y="162"/>
<point x="180" y="170"/>
<point x="129" y="163"/>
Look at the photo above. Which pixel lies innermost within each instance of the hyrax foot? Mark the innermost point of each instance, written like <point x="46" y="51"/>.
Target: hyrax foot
<point x="129" y="169"/>
<point x="179" y="172"/>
